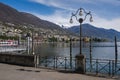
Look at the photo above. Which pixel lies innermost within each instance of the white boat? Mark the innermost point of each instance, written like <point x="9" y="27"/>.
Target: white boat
<point x="8" y="43"/>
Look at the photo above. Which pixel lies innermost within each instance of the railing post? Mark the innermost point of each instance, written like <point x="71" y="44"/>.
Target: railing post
<point x="96" y="66"/>
<point x="112" y="67"/>
<point x="85" y="64"/>
<point x="70" y="62"/>
<point x="109" y="67"/>
<point x="90" y="65"/>
<point x="54" y="62"/>
<point x="35" y="60"/>
<point x="65" y="63"/>
<point x="75" y="64"/>
<point x="39" y="60"/>
<point x="46" y="61"/>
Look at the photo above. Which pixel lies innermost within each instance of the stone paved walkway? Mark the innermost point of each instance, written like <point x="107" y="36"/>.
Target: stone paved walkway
<point x="12" y="72"/>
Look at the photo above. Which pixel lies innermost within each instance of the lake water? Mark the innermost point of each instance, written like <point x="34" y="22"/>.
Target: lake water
<point x="101" y="50"/>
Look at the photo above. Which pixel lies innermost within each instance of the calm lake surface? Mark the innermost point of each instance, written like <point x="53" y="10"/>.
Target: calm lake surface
<point x="101" y="50"/>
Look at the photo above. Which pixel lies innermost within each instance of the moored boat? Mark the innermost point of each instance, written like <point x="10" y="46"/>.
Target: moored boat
<point x="8" y="43"/>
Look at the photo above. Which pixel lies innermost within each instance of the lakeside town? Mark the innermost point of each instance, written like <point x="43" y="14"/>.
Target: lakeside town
<point x="9" y="31"/>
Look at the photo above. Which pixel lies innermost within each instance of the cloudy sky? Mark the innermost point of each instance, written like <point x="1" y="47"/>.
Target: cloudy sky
<point x="106" y="13"/>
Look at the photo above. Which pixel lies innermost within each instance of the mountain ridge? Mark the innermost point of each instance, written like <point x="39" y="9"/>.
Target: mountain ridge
<point x="13" y="16"/>
<point x="90" y="30"/>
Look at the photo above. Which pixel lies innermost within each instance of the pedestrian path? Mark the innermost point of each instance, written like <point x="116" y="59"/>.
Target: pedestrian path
<point x="13" y="72"/>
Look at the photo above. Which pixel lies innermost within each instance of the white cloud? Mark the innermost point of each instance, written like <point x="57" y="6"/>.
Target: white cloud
<point x="63" y="4"/>
<point x="73" y="4"/>
<point x="59" y="18"/>
<point x="63" y="17"/>
<point x="108" y="24"/>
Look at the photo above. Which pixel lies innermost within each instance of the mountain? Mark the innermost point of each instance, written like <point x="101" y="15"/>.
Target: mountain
<point x="89" y="30"/>
<point x="11" y="15"/>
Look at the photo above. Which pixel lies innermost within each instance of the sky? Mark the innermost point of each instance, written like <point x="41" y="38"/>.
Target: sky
<point x="106" y="13"/>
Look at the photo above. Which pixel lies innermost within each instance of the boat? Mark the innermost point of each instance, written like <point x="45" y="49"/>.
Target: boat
<point x="8" y="43"/>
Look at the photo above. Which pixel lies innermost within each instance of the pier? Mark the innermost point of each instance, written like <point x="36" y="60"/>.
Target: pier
<point x="12" y="49"/>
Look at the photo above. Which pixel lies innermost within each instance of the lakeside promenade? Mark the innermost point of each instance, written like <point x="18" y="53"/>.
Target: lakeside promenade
<point x="13" y="72"/>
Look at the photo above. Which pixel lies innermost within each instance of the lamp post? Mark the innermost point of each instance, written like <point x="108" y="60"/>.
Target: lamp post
<point x="80" y="15"/>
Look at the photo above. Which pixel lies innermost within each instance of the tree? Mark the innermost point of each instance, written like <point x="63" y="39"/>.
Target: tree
<point x="52" y="39"/>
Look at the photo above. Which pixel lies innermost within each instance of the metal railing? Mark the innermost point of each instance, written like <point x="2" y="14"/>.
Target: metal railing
<point x="59" y="63"/>
<point x="94" y="66"/>
<point x="103" y="66"/>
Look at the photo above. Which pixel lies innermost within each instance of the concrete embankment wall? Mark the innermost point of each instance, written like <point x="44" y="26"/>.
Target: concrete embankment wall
<point x="17" y="59"/>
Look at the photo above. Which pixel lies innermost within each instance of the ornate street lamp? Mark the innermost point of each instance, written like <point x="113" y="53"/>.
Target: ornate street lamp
<point x="80" y="12"/>
<point x="80" y="66"/>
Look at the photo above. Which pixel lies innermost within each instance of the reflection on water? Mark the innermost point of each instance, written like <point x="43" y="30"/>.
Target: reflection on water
<point x="104" y="50"/>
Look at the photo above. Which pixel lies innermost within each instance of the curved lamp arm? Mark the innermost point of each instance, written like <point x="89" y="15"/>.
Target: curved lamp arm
<point x="80" y="11"/>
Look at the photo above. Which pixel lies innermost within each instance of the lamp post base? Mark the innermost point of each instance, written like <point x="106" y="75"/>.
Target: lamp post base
<point x="80" y="63"/>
